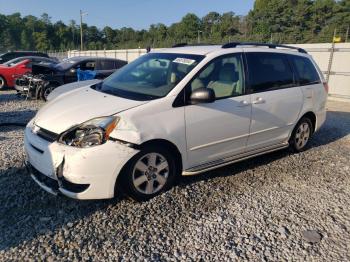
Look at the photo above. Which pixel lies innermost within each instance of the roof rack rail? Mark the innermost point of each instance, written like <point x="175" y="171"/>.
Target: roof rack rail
<point x="185" y="44"/>
<point x="235" y="44"/>
<point x="180" y="45"/>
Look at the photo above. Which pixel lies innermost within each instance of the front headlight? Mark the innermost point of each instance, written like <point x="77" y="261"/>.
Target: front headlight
<point x="91" y="133"/>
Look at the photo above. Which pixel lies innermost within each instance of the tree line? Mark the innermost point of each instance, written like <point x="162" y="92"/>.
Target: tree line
<point x="279" y="21"/>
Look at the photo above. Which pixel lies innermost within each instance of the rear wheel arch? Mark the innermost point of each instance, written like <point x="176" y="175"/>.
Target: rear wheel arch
<point x="312" y="116"/>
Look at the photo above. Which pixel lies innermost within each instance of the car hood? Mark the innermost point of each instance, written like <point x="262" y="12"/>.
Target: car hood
<point x="78" y="106"/>
<point x="71" y="86"/>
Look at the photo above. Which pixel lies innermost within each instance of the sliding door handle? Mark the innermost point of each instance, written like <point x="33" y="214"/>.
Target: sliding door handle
<point x="259" y="100"/>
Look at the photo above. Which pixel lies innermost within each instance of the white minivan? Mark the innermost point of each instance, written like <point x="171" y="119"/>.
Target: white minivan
<point x="178" y="111"/>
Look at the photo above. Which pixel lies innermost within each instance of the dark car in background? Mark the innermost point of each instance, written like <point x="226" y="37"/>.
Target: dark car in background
<point x="15" y="54"/>
<point x="67" y="71"/>
<point x="17" y="67"/>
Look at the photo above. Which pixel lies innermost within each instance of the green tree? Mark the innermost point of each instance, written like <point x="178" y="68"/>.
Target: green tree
<point x="285" y="21"/>
<point x="41" y="41"/>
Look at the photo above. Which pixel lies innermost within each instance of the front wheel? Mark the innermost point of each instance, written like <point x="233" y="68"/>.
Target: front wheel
<point x="46" y="90"/>
<point x="149" y="173"/>
<point x="301" y="135"/>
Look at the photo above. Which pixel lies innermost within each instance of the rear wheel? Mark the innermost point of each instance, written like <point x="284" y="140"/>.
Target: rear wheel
<point x="149" y="173"/>
<point x="2" y="83"/>
<point x="301" y="134"/>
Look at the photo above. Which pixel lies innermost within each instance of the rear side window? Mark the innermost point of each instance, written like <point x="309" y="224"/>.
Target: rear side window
<point x="107" y="64"/>
<point x="269" y="71"/>
<point x="306" y="71"/>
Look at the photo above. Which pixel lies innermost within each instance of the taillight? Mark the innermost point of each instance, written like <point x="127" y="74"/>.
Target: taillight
<point x="326" y="87"/>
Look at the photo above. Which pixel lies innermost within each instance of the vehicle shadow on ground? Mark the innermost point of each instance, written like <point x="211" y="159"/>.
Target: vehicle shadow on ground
<point x="27" y="211"/>
<point x="16" y="116"/>
<point x="9" y="97"/>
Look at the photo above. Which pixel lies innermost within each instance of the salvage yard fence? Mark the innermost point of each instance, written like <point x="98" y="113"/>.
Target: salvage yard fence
<point x="123" y="54"/>
<point x="333" y="59"/>
<point x="334" y="62"/>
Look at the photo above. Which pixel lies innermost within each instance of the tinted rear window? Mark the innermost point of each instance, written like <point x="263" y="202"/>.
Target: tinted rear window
<point x="306" y="71"/>
<point x="269" y="71"/>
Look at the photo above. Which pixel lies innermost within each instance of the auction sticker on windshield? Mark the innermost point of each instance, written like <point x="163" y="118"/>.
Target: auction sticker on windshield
<point x="184" y="61"/>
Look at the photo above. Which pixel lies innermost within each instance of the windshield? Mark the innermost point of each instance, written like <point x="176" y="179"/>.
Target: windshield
<point x="151" y="76"/>
<point x="66" y="64"/>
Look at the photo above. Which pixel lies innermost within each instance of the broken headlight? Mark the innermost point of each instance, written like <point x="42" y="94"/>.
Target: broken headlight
<point x="91" y="133"/>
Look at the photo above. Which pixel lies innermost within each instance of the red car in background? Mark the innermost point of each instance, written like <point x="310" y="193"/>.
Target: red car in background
<point x="17" y="67"/>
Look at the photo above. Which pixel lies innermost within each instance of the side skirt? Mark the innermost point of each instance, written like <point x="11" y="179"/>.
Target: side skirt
<point x="234" y="159"/>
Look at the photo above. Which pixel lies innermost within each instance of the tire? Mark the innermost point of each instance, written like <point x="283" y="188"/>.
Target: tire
<point x="2" y="83"/>
<point x="301" y="135"/>
<point x="46" y="90"/>
<point x="142" y="180"/>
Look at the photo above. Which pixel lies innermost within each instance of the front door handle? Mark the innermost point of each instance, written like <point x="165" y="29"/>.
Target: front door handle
<point x="243" y="103"/>
<point x="259" y="100"/>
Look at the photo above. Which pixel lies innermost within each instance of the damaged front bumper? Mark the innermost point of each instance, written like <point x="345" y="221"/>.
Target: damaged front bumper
<point x="54" y="186"/>
<point x="80" y="173"/>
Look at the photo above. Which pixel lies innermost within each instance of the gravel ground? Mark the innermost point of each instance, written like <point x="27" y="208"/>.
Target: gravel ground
<point x="277" y="207"/>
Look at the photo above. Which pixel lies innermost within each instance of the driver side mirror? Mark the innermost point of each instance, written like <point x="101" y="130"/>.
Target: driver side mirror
<point x="73" y="71"/>
<point x="202" y="96"/>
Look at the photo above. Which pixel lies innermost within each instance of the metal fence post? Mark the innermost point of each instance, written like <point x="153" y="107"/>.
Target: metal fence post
<point x="330" y="61"/>
<point x="126" y="55"/>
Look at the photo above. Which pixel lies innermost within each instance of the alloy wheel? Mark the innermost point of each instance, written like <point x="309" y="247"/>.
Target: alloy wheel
<point x="302" y="135"/>
<point x="150" y="173"/>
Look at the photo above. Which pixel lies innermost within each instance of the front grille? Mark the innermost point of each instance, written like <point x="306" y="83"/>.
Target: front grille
<point x="47" y="135"/>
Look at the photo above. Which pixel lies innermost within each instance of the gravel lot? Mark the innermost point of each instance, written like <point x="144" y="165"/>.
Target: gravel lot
<point x="258" y="209"/>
